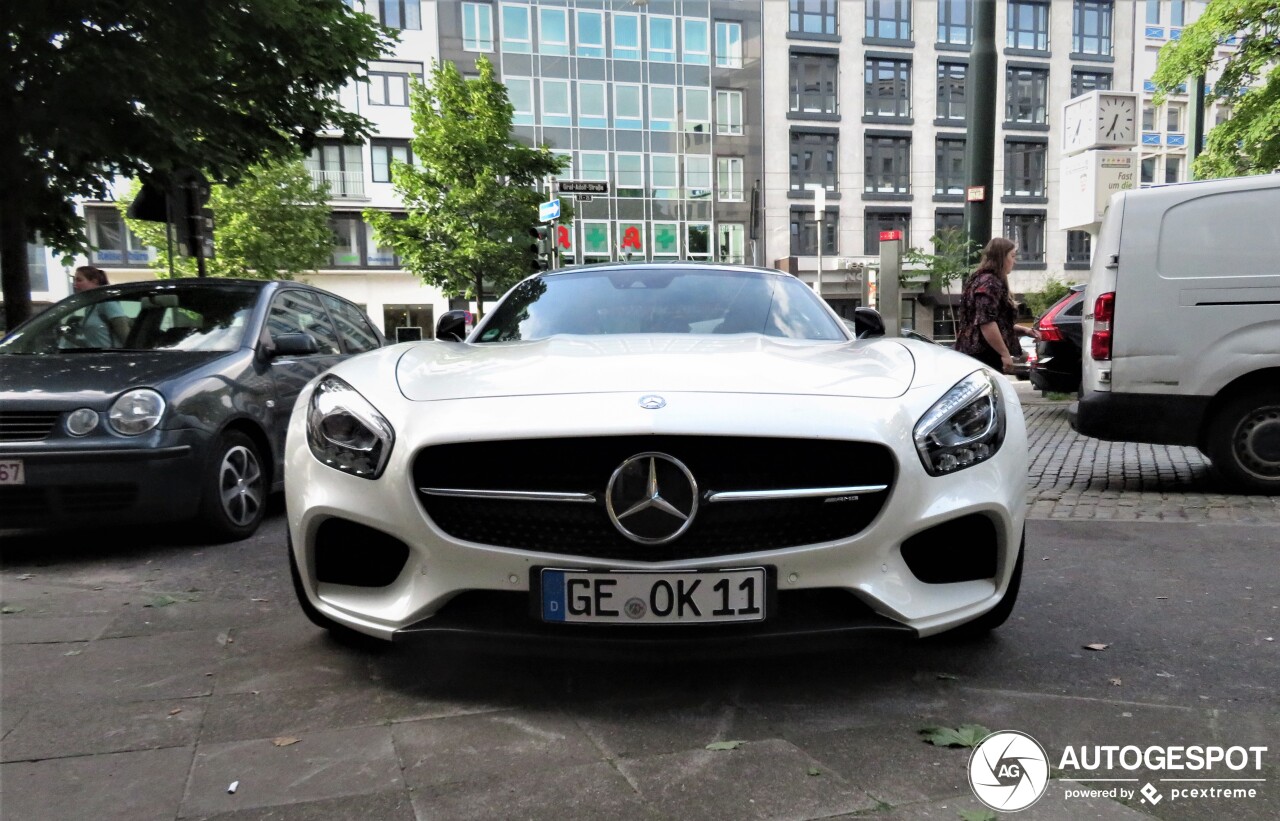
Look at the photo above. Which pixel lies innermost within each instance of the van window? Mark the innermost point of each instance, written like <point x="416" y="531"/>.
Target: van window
<point x="1210" y="236"/>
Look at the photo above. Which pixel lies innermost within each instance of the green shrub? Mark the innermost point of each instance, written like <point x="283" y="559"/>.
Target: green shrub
<point x="1039" y="301"/>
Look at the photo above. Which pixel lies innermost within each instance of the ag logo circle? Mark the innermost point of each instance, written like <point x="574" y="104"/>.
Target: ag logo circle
<point x="1008" y="771"/>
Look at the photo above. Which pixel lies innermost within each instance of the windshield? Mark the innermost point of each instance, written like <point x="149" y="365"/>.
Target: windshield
<point x="166" y="317"/>
<point x="660" y="301"/>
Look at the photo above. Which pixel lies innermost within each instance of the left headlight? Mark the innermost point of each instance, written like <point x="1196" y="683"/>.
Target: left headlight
<point x="346" y="432"/>
<point x="963" y="428"/>
<point x="136" y="411"/>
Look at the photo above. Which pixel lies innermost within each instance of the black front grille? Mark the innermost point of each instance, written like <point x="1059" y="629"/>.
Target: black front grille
<point x="26" y="426"/>
<point x="42" y="506"/>
<point x="584" y="465"/>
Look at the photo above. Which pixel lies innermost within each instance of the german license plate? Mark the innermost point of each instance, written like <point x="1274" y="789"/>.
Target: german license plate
<point x="11" y="472"/>
<point x="644" y="597"/>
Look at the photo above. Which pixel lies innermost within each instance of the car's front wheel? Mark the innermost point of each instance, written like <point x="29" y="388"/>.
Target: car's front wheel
<point x="1244" y="441"/>
<point x="235" y="488"/>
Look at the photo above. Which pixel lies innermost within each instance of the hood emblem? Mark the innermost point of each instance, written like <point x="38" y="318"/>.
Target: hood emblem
<point x="652" y="498"/>
<point x="652" y="402"/>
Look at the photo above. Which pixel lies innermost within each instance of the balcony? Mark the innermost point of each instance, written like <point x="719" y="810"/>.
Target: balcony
<point x="343" y="185"/>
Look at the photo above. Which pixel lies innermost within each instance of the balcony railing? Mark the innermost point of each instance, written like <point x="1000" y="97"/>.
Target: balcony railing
<point x="342" y="184"/>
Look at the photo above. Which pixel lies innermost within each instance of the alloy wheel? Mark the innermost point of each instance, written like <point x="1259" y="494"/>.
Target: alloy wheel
<point x="240" y="485"/>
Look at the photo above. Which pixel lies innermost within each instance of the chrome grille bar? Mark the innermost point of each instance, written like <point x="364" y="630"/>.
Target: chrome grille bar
<point x="791" y="493"/>
<point x="510" y="495"/>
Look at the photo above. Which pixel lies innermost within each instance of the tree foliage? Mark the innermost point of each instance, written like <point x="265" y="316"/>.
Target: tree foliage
<point x="951" y="260"/>
<point x="470" y="197"/>
<point x="1249" y="142"/>
<point x="272" y="224"/>
<point x="1039" y="301"/>
<point x="97" y="88"/>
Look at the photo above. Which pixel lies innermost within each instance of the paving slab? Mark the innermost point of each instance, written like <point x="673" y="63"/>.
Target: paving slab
<point x="77" y="729"/>
<point x="384" y="806"/>
<point x="589" y="792"/>
<point x="139" y="786"/>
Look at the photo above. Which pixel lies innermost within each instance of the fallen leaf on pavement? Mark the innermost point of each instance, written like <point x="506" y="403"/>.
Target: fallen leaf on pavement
<point x="814" y="771"/>
<point x="966" y="735"/>
<point x="1096" y="646"/>
<point x="285" y="741"/>
<point x="11" y="608"/>
<point x="976" y="815"/>
<point x="175" y="711"/>
<point x="725" y="745"/>
<point x="160" y="601"/>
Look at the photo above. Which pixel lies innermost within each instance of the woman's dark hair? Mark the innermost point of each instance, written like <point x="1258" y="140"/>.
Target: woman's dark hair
<point x="94" y="274"/>
<point x="993" y="256"/>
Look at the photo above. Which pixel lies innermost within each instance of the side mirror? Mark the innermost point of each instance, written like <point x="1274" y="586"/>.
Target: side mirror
<point x="294" y="345"/>
<point x="867" y="323"/>
<point x="453" y="326"/>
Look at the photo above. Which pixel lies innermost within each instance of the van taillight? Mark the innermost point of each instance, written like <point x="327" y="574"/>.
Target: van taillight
<point x="1104" y="309"/>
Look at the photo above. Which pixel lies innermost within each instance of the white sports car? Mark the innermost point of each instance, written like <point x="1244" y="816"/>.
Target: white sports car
<point x="659" y="454"/>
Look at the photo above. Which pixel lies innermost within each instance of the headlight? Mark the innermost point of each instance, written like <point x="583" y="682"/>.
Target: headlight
<point x="346" y="432"/>
<point x="964" y="427"/>
<point x="81" y="422"/>
<point x="136" y="412"/>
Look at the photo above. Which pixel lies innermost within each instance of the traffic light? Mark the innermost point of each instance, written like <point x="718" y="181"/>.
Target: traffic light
<point x="540" y="248"/>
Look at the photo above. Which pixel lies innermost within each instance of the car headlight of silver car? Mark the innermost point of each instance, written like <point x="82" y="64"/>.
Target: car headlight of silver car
<point x="346" y="432"/>
<point x="136" y="411"/>
<point x="963" y="428"/>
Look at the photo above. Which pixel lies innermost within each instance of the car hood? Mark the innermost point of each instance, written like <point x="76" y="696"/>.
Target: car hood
<point x="90" y="377"/>
<point x="672" y="363"/>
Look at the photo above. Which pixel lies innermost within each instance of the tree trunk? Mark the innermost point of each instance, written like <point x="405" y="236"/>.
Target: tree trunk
<point x="15" y="280"/>
<point x="479" y="296"/>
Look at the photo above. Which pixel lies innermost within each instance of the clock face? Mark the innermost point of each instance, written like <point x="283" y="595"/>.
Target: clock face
<point x="1116" y="120"/>
<point x="1077" y="130"/>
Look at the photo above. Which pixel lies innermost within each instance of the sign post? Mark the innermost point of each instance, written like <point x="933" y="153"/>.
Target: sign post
<point x="888" y="299"/>
<point x="819" y="213"/>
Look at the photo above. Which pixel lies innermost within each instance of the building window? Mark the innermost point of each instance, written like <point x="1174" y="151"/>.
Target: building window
<point x="1148" y="171"/>
<point x="1092" y="27"/>
<point x="592" y="108"/>
<point x="955" y="22"/>
<point x="876" y="221"/>
<point x="728" y="112"/>
<point x="590" y="31"/>
<point x="630" y="174"/>
<point x="951" y="79"/>
<point x="662" y="108"/>
<point x="666" y="240"/>
<point x="888" y="88"/>
<point x="1177" y="12"/>
<point x="697" y="47"/>
<point x="553" y="31"/>
<point x="813" y="83"/>
<point x="733" y="245"/>
<point x="662" y="38"/>
<point x="889" y="19"/>
<point x="1028" y="25"/>
<point x="1026" y="229"/>
<point x="697" y="110"/>
<point x="516" y="37"/>
<point x="944" y="322"/>
<point x="1172" y="168"/>
<point x="477" y="27"/>
<point x="888" y="165"/>
<point x="729" y="45"/>
<point x="814" y="161"/>
<point x="626" y="106"/>
<point x="1173" y="118"/>
<point x="382" y="152"/>
<point x="596" y="241"/>
<point x="804" y="232"/>
<point x="1024" y="169"/>
<point x="555" y="103"/>
<point x="949" y="169"/>
<point x="697" y="240"/>
<point x="1082" y="82"/>
<point x="401" y="14"/>
<point x="389" y="85"/>
<point x="340" y="166"/>
<point x="664" y="176"/>
<point x="593" y="165"/>
<point x="626" y="36"/>
<point x="1028" y="90"/>
<point x="1148" y="118"/>
<point x="1079" y="247"/>
<point x="697" y="176"/>
<point x="111" y="242"/>
<point x="1153" y="12"/>
<point x="37" y="265"/>
<point x="813" y="16"/>
<point x="353" y="246"/>
<point x="947" y="221"/>
<point x="729" y="179"/>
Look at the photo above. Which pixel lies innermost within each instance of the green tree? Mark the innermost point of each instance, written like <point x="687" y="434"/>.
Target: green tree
<point x="951" y="260"/>
<point x="96" y="88"/>
<point x="1249" y="142"/>
<point x="1039" y="301"/>
<point x="470" y="198"/>
<point x="272" y="224"/>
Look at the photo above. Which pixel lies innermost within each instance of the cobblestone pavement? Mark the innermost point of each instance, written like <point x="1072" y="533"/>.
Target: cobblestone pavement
<point x="1076" y="477"/>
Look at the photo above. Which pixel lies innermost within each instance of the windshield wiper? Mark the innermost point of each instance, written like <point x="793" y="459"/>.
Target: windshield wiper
<point x="104" y="350"/>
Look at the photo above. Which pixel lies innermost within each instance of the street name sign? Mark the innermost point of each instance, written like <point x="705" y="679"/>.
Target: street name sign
<point x="582" y="187"/>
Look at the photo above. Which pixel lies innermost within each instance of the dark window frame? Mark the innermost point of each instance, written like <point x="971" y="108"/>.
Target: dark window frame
<point x="812" y="144"/>
<point x="1036" y="80"/>
<point x="382" y="144"/>
<point x="1085" y="80"/>
<point x="1027" y="25"/>
<point x="1081" y="12"/>
<point x="1025" y="163"/>
<point x="826" y="13"/>
<point x="804" y="232"/>
<point x="806" y="69"/>
<point x="875" y="220"/>
<point x="894" y="181"/>
<point x="1033" y="252"/>
<point x="895" y="25"/>
<point x="946" y="147"/>
<point x="949" y="87"/>
<point x="947" y="25"/>
<point x="898" y="86"/>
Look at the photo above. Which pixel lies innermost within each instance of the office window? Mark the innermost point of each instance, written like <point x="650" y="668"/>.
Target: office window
<point x="728" y="112"/>
<point x="813" y="16"/>
<point x="697" y="176"/>
<point x="949" y="167"/>
<point x="733" y="245"/>
<point x="592" y="108"/>
<point x="697" y="44"/>
<point x="662" y="108"/>
<point x="729" y="179"/>
<point x="889" y="19"/>
<point x="111" y="242"/>
<point x="477" y="27"/>
<point x="520" y="94"/>
<point x="888" y="165"/>
<point x="629" y="169"/>
<point x="1153" y="12"/>
<point x="804" y="232"/>
<point x="626" y="36"/>
<point x="697" y="240"/>
<point x="1148" y="171"/>
<point x="1173" y="118"/>
<point x="1091" y="27"/>
<point x="662" y="39"/>
<point x="400" y="14"/>
<point x="1027" y="232"/>
<point x="888" y="87"/>
<point x="1079" y="247"/>
<point x="1148" y="117"/>
<point x="590" y="34"/>
<point x="340" y="166"/>
<point x="729" y="45"/>
<point x="516" y="37"/>
<point x="1082" y="82"/>
<point x="1028" y="95"/>
<point x="382" y="152"/>
<point x="389" y="88"/>
<point x="947" y="221"/>
<point x="814" y="161"/>
<point x="1177" y="11"/>
<point x="1028" y="25"/>
<point x="814" y="80"/>
<point x="555" y="103"/>
<point x="1172" y="168"/>
<point x="697" y="110"/>
<point x="1024" y="169"/>
<point x="664" y="175"/>
<point x="593" y="165"/>
<point x="553" y="31"/>
<point x="951" y="99"/>
<point x="955" y="22"/>
<point x="627" y="106"/>
<point x="873" y="222"/>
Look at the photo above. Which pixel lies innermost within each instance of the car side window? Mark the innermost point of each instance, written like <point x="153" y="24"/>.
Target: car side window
<point x="357" y="334"/>
<point x="297" y="312"/>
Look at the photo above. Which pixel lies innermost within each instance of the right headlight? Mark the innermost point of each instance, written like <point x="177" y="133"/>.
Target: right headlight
<point x="963" y="428"/>
<point x="346" y="432"/>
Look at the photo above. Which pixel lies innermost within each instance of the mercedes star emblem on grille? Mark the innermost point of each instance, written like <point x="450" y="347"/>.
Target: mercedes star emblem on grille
<point x="652" y="402"/>
<point x="652" y="498"/>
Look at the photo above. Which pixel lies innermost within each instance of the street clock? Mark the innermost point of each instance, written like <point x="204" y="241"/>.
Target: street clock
<point x="1100" y="119"/>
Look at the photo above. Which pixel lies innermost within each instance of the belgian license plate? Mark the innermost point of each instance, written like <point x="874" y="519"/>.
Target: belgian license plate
<point x="11" y="472"/>
<point x="644" y="597"/>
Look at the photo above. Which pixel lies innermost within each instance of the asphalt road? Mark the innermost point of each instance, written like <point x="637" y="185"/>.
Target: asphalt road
<point x="142" y="676"/>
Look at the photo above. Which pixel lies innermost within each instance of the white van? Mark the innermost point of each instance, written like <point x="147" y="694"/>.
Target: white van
<point x="1182" y="325"/>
